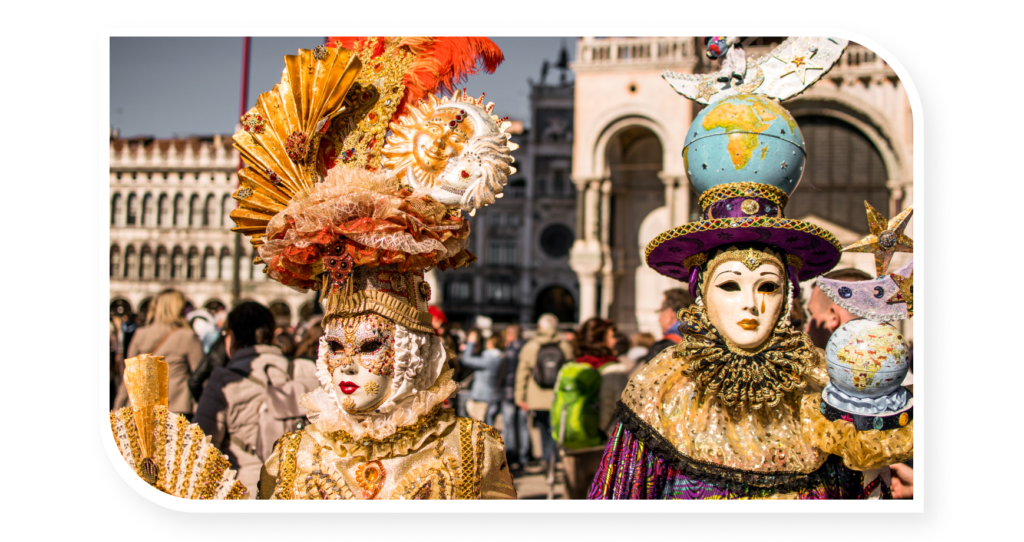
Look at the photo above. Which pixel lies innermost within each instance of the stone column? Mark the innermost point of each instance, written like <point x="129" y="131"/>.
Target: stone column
<point x="608" y="265"/>
<point x="588" y="295"/>
<point x="591" y="212"/>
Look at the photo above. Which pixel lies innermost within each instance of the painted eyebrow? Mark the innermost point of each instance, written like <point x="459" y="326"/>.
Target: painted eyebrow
<point x="727" y="271"/>
<point x="763" y="273"/>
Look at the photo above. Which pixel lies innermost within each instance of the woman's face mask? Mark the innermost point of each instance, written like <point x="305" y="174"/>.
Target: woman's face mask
<point x="745" y="305"/>
<point x="360" y="355"/>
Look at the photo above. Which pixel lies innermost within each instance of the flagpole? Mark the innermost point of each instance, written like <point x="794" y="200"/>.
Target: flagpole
<point x="236" y="276"/>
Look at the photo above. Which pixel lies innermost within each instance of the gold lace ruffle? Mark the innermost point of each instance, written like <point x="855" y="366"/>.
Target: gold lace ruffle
<point x="860" y="450"/>
<point x="403" y="441"/>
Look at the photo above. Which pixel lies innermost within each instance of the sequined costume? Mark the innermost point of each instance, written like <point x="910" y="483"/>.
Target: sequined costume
<point x="441" y="456"/>
<point x="356" y="179"/>
<point x="707" y="418"/>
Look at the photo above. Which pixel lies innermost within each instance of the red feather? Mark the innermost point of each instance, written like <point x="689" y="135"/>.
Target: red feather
<point x="441" y="63"/>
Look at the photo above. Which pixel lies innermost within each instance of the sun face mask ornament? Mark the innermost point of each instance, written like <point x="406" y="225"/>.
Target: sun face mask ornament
<point x="452" y="149"/>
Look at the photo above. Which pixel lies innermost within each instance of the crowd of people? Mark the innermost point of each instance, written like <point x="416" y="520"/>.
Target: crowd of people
<point x="560" y="380"/>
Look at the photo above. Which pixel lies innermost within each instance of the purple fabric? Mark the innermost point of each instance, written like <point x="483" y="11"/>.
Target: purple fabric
<point x="869" y="298"/>
<point x="818" y="255"/>
<point x="630" y="470"/>
<point x="733" y="208"/>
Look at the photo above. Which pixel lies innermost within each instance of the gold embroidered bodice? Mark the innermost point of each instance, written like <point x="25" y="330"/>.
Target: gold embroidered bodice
<point x="442" y="456"/>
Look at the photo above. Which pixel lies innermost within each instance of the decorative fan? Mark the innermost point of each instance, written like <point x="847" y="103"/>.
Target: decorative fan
<point x="280" y="136"/>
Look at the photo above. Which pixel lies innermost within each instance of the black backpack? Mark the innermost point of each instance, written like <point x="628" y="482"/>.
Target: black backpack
<point x="550" y="359"/>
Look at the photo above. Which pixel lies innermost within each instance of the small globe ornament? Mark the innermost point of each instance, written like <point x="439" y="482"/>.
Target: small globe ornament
<point x="867" y="358"/>
<point x="744" y="138"/>
<point x="717" y="46"/>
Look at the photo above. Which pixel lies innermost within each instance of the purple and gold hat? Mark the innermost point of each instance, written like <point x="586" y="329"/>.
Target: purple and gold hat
<point x="743" y="213"/>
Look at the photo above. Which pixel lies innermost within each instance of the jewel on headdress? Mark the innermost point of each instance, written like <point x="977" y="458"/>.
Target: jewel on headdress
<point x="320" y="52"/>
<point x="253" y="123"/>
<point x="297" y="146"/>
<point x="886" y="238"/>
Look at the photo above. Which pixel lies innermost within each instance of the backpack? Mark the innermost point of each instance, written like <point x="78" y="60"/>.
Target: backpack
<point x="280" y="412"/>
<point x="550" y="359"/>
<point x="576" y="405"/>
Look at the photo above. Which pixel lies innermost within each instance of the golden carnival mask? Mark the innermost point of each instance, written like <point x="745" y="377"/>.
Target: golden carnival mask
<point x="359" y="353"/>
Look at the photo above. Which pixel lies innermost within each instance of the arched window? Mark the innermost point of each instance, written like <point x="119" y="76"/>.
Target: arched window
<point x="193" y="210"/>
<point x="133" y="211"/>
<point x="226" y="265"/>
<point x="146" y="272"/>
<point x="210" y="265"/>
<point x="162" y="211"/>
<point x="178" y="264"/>
<point x="115" y="209"/>
<point x="209" y="211"/>
<point x="115" y="261"/>
<point x="131" y="263"/>
<point x="162" y="271"/>
<point x="225" y="208"/>
<point x="179" y="210"/>
<point x="147" y="211"/>
<point x="846" y="171"/>
<point x="193" y="271"/>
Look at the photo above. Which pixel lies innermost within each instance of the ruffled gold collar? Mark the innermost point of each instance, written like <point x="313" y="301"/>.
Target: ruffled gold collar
<point x="405" y="440"/>
<point x="755" y="379"/>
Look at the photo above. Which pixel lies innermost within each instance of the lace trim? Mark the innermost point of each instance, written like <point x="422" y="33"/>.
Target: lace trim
<point x="735" y="480"/>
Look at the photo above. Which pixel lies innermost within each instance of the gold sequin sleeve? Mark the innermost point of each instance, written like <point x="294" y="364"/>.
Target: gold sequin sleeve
<point x="860" y="450"/>
<point x="494" y="480"/>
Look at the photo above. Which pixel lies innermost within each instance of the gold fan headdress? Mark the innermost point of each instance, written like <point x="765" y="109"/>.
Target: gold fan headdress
<point x="281" y="135"/>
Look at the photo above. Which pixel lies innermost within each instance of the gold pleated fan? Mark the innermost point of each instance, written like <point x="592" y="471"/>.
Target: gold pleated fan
<point x="280" y="136"/>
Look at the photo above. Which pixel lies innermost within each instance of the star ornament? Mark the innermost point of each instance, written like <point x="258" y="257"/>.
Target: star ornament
<point x="905" y="294"/>
<point x="798" y="63"/>
<point x="886" y="238"/>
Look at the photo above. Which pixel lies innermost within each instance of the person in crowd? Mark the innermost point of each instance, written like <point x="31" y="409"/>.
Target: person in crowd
<point x="286" y="342"/>
<point x="216" y="357"/>
<point x="550" y="348"/>
<point x="515" y="426"/>
<point x="309" y="345"/>
<point x="596" y="343"/>
<point x="206" y="329"/>
<point x="229" y="409"/>
<point x="484" y="395"/>
<point x="128" y="328"/>
<point x="640" y="344"/>
<point x="168" y="334"/>
<point x="825" y="316"/>
<point x="674" y="300"/>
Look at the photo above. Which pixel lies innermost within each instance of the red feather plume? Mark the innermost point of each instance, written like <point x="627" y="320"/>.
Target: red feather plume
<point x="441" y="64"/>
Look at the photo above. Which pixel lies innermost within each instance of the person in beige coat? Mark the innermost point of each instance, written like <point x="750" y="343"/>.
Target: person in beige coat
<point x="168" y="334"/>
<point x="530" y="396"/>
<point x="229" y="409"/>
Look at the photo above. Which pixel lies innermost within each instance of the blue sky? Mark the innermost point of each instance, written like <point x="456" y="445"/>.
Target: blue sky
<point x="172" y="87"/>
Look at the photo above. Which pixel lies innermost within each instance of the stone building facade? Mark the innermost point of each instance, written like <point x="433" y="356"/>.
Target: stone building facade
<point x="627" y="166"/>
<point x="169" y="228"/>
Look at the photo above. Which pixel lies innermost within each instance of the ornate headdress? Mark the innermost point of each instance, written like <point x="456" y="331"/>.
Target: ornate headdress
<point x="333" y="201"/>
<point x="744" y="156"/>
